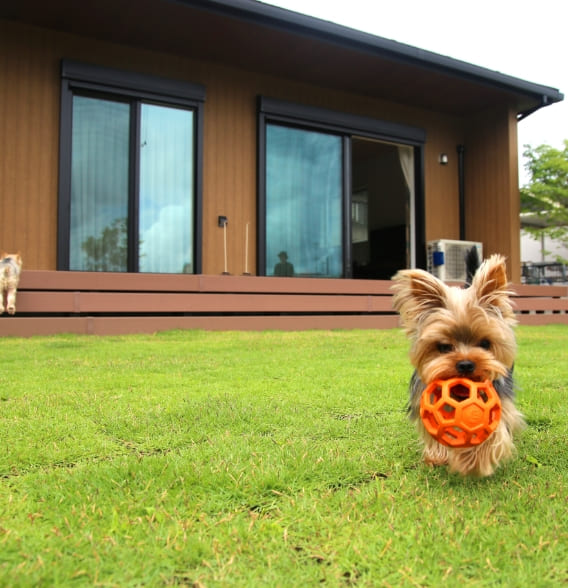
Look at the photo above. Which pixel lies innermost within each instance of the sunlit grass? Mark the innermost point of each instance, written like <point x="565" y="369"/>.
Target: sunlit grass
<point x="264" y="459"/>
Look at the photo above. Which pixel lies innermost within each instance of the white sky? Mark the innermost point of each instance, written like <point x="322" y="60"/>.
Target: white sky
<point x="524" y="39"/>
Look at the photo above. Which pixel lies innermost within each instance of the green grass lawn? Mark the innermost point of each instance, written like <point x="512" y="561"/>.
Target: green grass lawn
<point x="264" y="459"/>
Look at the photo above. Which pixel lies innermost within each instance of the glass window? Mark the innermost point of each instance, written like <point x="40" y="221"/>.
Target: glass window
<point x="99" y="185"/>
<point x="130" y="169"/>
<point x="166" y="190"/>
<point x="340" y="195"/>
<point x="303" y="203"/>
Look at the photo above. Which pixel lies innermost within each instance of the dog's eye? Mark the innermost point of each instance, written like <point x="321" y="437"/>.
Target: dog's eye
<point x="485" y="344"/>
<point x="445" y="347"/>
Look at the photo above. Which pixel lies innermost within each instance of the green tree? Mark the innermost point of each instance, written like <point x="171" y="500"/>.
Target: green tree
<point x="545" y="197"/>
<point x="109" y="251"/>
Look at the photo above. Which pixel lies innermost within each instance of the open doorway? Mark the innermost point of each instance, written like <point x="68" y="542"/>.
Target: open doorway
<point x="382" y="206"/>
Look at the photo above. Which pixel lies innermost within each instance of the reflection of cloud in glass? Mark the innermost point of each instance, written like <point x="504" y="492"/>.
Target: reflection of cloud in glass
<point x="165" y="246"/>
<point x="166" y="189"/>
<point x="303" y="200"/>
<point x="101" y="188"/>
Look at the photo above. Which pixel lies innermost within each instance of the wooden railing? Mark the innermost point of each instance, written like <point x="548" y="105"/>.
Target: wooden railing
<point x="51" y="302"/>
<point x="541" y="305"/>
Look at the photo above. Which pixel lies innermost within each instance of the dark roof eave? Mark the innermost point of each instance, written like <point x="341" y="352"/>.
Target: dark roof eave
<point x="273" y="16"/>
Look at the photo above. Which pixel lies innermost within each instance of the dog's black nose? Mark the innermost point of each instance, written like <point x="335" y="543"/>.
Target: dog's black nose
<point x="465" y="366"/>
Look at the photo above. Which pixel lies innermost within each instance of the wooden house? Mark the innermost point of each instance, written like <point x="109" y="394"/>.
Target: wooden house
<point x="229" y="164"/>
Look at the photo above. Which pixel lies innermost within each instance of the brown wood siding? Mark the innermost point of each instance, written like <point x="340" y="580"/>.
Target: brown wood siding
<point x="29" y="119"/>
<point x="29" y="115"/>
<point x="492" y="188"/>
<point x="441" y="195"/>
<point x="514" y="200"/>
<point x="229" y="174"/>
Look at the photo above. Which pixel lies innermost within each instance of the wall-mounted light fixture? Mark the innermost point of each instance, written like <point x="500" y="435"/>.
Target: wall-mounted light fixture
<point x="443" y="159"/>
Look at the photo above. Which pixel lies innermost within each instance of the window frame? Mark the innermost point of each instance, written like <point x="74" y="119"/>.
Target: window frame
<point x="271" y="110"/>
<point x="135" y="88"/>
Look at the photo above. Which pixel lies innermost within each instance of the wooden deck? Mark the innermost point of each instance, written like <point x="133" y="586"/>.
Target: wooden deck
<point x="98" y="303"/>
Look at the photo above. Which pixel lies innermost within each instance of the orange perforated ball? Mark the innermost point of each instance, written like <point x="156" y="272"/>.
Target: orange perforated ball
<point x="459" y="412"/>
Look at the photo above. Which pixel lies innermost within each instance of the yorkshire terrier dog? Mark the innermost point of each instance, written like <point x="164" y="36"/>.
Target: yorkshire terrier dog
<point x="462" y="332"/>
<point x="10" y="270"/>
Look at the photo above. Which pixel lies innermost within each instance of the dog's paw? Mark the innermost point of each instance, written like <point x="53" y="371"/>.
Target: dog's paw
<point x="435" y="455"/>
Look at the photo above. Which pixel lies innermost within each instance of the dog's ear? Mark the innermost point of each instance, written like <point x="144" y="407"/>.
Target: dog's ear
<point x="415" y="293"/>
<point x="491" y="286"/>
<point x="419" y="288"/>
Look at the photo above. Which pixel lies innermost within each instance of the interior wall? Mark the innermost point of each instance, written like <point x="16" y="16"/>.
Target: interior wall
<point x="377" y="171"/>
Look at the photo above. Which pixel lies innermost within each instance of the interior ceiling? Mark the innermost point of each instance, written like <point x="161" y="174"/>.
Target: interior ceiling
<point x="169" y="26"/>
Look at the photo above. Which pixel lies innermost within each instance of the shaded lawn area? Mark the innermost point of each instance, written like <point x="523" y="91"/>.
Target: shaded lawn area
<point x="264" y="459"/>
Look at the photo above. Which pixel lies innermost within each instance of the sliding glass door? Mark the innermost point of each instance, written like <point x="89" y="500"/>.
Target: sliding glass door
<point x="100" y="189"/>
<point x="132" y="187"/>
<point x="130" y="172"/>
<point x="166" y="219"/>
<point x="304" y="199"/>
<point x="339" y="195"/>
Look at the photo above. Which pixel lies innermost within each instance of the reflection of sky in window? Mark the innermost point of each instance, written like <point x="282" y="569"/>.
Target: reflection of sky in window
<point x="303" y="200"/>
<point x="166" y="189"/>
<point x="99" y="171"/>
<point x="100" y="181"/>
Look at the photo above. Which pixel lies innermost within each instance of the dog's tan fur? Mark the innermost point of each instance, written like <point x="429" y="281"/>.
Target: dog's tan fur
<point x="448" y="326"/>
<point x="10" y="270"/>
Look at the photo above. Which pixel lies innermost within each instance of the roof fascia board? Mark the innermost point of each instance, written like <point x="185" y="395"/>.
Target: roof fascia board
<point x="273" y="16"/>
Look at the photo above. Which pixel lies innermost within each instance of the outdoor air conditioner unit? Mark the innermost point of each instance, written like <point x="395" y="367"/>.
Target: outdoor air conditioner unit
<point x="446" y="258"/>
